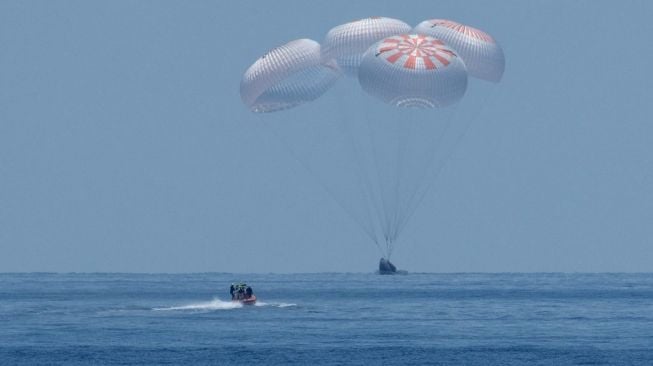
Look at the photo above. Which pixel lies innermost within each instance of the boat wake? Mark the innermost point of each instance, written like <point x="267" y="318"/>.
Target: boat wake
<point x="217" y="304"/>
<point x="276" y="304"/>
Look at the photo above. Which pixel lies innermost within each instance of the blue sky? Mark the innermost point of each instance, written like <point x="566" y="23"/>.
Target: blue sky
<point x="124" y="145"/>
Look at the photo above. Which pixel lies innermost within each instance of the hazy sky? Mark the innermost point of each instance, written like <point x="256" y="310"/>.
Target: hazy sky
<point x="124" y="145"/>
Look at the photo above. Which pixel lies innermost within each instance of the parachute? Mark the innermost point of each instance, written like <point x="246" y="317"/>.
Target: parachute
<point x="347" y="43"/>
<point x="482" y="54"/>
<point x="376" y="160"/>
<point x="413" y="71"/>
<point x="287" y="76"/>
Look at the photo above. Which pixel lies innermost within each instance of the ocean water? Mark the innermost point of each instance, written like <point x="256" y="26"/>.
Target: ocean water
<point x="327" y="319"/>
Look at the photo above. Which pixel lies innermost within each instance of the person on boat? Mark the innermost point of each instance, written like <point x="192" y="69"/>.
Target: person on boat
<point x="240" y="291"/>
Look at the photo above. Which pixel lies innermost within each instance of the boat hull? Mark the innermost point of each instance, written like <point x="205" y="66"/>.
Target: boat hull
<point x="250" y="301"/>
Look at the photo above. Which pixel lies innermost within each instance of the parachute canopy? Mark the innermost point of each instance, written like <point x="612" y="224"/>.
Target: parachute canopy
<point x="413" y="71"/>
<point x="287" y="76"/>
<point x="482" y="54"/>
<point x="348" y="42"/>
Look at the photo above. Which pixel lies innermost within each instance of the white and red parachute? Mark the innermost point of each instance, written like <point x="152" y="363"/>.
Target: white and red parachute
<point x="482" y="54"/>
<point x="393" y="153"/>
<point x="413" y="71"/>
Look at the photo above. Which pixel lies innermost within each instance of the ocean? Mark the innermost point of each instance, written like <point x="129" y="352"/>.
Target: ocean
<point x="327" y="319"/>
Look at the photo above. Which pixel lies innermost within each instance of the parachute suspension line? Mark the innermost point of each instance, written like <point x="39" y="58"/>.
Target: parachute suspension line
<point x="383" y="214"/>
<point x="434" y="166"/>
<point x="363" y="178"/>
<point x="424" y="183"/>
<point x="333" y="196"/>
<point x="363" y="183"/>
<point x="405" y="126"/>
<point x="467" y="123"/>
<point x="388" y="247"/>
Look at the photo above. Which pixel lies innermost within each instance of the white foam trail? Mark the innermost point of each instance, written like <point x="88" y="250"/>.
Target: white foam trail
<point x="278" y="305"/>
<point x="284" y="305"/>
<point x="215" y="304"/>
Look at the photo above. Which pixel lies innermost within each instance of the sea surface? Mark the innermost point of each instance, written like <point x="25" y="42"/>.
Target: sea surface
<point x="327" y="319"/>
